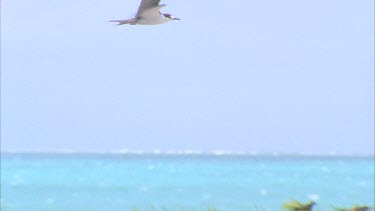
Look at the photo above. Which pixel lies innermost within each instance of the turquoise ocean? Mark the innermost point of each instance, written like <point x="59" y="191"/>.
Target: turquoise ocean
<point x="182" y="182"/>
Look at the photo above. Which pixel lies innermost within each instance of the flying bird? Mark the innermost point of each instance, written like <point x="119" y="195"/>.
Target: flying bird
<point x="148" y="14"/>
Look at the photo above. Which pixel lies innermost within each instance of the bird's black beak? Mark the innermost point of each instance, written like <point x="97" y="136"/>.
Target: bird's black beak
<point x="176" y="19"/>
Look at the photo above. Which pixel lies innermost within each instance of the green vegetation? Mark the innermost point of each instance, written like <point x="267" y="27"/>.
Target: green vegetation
<point x="298" y="206"/>
<point x="354" y="208"/>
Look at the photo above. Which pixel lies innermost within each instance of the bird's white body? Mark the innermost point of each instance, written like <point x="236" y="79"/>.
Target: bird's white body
<point x="148" y="14"/>
<point x="152" y="17"/>
<point x="152" y="21"/>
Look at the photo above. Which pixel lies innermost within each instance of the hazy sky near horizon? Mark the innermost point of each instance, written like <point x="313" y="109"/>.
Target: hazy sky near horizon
<point x="268" y="76"/>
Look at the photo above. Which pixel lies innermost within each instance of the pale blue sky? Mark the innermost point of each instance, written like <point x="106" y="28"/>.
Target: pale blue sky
<point x="268" y="76"/>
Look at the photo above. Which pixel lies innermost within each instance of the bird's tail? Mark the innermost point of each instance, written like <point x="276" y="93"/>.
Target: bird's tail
<point x="122" y="22"/>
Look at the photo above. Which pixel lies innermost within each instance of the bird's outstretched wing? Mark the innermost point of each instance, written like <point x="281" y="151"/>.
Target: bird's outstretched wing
<point x="147" y="5"/>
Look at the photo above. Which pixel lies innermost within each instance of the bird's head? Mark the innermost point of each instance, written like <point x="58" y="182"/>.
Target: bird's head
<point x="169" y="16"/>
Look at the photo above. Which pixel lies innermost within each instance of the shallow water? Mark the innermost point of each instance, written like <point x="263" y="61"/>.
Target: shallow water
<point x="151" y="182"/>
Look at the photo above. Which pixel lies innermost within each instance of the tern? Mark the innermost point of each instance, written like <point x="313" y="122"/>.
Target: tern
<point x="148" y="14"/>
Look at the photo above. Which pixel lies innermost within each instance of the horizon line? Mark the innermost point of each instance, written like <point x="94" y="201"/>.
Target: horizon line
<point x="186" y="153"/>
